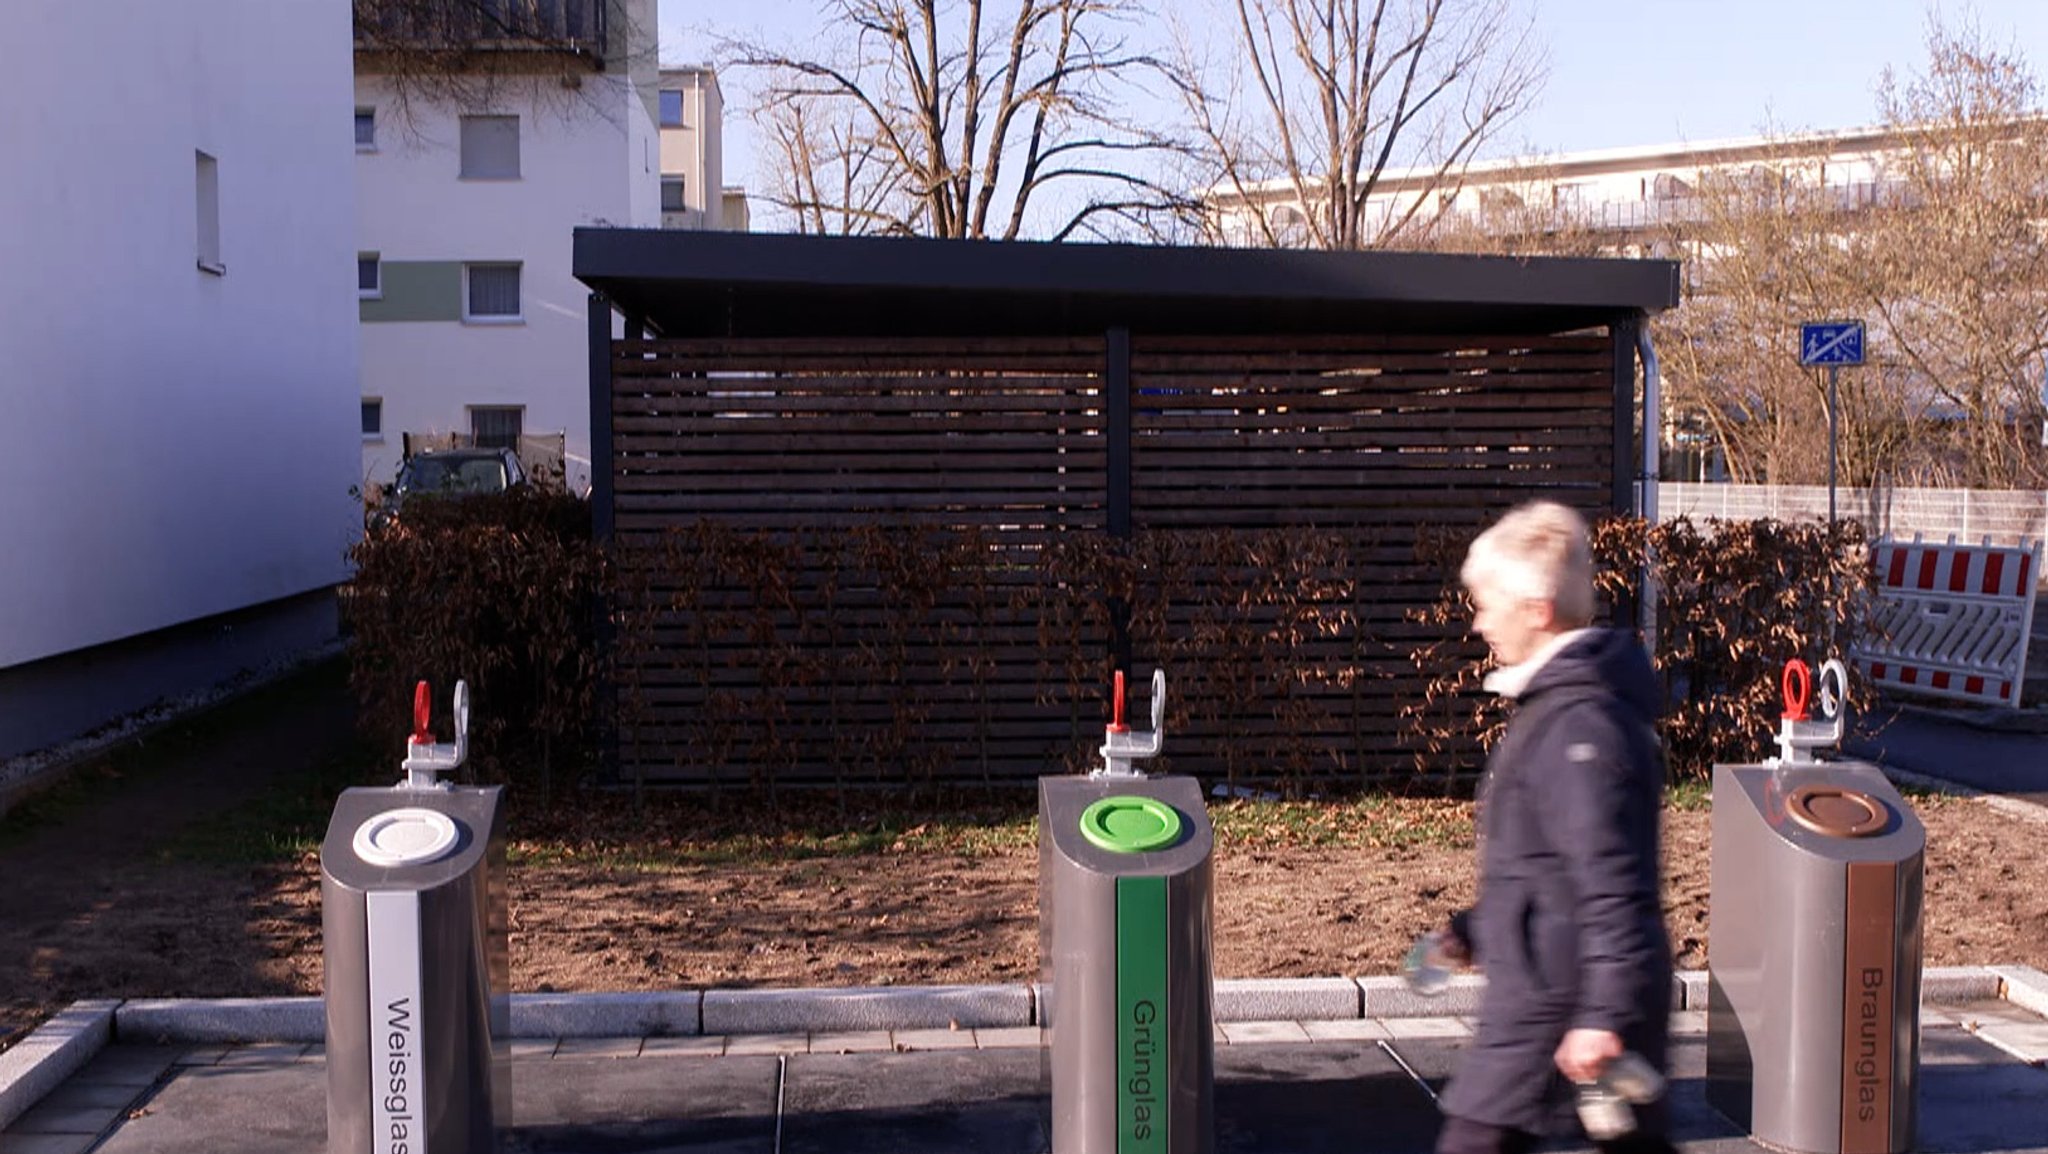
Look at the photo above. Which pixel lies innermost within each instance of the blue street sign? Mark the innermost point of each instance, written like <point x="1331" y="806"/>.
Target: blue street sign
<point x="1831" y="343"/>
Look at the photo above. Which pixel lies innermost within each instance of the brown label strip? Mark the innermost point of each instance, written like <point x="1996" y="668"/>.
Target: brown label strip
<point x="1870" y="942"/>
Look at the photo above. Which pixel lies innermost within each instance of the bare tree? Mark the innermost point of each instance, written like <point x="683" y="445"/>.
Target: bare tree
<point x="970" y="119"/>
<point x="1765" y="249"/>
<point x="1958" y="275"/>
<point x="1342" y="92"/>
<point x="1941" y="252"/>
<point x="832" y="171"/>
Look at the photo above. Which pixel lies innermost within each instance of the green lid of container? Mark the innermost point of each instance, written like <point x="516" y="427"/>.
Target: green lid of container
<point x="1128" y="824"/>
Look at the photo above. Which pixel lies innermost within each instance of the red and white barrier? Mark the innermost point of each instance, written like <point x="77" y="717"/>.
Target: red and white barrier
<point x="1953" y="619"/>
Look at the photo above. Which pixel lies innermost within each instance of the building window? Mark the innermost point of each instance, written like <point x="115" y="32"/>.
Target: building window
<point x="672" y="194"/>
<point x="490" y="148"/>
<point x="373" y="418"/>
<point x="1669" y="187"/>
<point x="496" y="426"/>
<point x="1289" y="224"/>
<point x="207" y="180"/>
<point x="671" y="108"/>
<point x="490" y="292"/>
<point x="1572" y="195"/>
<point x="369" y="275"/>
<point x="366" y="130"/>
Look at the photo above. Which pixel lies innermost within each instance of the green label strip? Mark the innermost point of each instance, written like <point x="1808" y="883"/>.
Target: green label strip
<point x="1141" y="1049"/>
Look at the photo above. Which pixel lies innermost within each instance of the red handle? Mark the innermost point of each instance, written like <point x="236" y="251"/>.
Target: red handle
<point x="422" y="713"/>
<point x="1798" y="686"/>
<point x="1116" y="715"/>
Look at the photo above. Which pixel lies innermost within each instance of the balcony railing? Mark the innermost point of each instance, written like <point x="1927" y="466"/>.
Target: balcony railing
<point x="1639" y="215"/>
<point x="573" y="26"/>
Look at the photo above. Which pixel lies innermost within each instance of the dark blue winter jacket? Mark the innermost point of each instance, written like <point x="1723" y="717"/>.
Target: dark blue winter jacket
<point x="1569" y="925"/>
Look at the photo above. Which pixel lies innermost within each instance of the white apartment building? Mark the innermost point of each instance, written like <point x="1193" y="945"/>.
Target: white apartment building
<point x="1622" y="195"/>
<point x="1616" y="202"/>
<point x="693" y="190"/>
<point x="177" y="359"/>
<point x="471" y="322"/>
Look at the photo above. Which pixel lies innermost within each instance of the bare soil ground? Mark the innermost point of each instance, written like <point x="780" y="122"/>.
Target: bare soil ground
<point x="107" y="897"/>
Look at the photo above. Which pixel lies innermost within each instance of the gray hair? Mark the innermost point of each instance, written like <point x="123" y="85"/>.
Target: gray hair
<point x="1539" y="551"/>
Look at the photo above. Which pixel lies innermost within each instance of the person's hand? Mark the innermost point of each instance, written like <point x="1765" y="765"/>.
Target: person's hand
<point x="1584" y="1053"/>
<point x="1452" y="944"/>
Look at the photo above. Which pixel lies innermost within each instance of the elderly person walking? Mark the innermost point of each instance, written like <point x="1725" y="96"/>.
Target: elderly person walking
<point x="1568" y="925"/>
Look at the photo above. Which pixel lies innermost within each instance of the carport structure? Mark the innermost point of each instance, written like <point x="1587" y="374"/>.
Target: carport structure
<point x="1034" y="396"/>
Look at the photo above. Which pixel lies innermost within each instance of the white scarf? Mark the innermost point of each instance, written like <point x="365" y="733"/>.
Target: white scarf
<point x="1511" y="681"/>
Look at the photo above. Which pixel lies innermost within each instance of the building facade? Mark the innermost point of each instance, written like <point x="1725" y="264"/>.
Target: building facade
<point x="1617" y="200"/>
<point x="693" y="189"/>
<point x="180" y="366"/>
<point x="472" y="327"/>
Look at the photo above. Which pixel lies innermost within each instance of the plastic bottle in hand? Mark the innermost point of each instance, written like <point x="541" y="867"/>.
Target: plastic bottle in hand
<point x="1607" y="1103"/>
<point x="1428" y="965"/>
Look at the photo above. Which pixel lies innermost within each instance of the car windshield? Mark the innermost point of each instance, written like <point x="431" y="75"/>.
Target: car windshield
<point x="454" y="475"/>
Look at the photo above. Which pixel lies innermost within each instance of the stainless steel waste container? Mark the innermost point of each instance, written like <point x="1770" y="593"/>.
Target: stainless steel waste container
<point x="1813" y="1021"/>
<point x="417" y="979"/>
<point x="1125" y="913"/>
<point x="1124" y="927"/>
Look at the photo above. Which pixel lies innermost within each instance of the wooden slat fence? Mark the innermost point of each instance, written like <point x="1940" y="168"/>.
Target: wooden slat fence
<point x="871" y="562"/>
<point x="893" y="498"/>
<point x="1373" y="445"/>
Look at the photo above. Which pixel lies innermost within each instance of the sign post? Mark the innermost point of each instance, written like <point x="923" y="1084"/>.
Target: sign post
<point x="1833" y="344"/>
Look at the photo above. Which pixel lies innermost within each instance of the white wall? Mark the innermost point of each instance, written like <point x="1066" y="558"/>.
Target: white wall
<point x="695" y="150"/>
<point x="2002" y="517"/>
<point x="590" y="161"/>
<point x="172" y="444"/>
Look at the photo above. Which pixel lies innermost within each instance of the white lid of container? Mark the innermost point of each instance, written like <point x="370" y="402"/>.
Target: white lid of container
<point x="403" y="837"/>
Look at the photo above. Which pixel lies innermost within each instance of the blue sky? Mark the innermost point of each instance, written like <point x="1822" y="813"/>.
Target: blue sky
<point x="1621" y="73"/>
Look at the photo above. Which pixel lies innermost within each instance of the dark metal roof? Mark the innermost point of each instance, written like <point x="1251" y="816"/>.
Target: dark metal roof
<point x="756" y="284"/>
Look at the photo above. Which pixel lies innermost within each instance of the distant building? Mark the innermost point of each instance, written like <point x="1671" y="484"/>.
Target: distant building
<point x="693" y="192"/>
<point x="179" y="360"/>
<point x="1622" y="202"/>
<point x="472" y="328"/>
<point x="1618" y="198"/>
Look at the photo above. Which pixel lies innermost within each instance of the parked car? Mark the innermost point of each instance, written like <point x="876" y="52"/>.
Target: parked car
<point x="451" y="474"/>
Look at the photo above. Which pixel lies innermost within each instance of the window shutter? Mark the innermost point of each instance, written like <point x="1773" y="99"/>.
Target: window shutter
<point x="490" y="147"/>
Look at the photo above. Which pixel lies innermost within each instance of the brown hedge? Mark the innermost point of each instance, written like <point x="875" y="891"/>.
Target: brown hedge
<point x="510" y="592"/>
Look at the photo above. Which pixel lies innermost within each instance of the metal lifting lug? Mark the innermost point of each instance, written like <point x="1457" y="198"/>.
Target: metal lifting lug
<point x="423" y="757"/>
<point x="1121" y="745"/>
<point x="1799" y="733"/>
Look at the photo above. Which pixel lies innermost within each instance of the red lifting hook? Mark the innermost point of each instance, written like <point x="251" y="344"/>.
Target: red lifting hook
<point x="422" y="713"/>
<point x="1798" y="685"/>
<point x="1116" y="717"/>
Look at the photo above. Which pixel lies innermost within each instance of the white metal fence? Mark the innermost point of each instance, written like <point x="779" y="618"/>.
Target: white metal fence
<point x="1972" y="515"/>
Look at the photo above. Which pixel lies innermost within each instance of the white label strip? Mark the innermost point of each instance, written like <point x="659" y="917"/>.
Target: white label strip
<point x="396" y="1061"/>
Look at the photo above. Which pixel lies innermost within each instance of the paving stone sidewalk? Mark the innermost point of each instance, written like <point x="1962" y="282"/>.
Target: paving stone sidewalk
<point x="1312" y="1087"/>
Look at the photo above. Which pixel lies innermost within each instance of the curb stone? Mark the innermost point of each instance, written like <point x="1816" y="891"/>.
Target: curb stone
<point x="865" y="1008"/>
<point x="220" y="1020"/>
<point x="2023" y="986"/>
<point x="56" y="1050"/>
<point x="639" y="1015"/>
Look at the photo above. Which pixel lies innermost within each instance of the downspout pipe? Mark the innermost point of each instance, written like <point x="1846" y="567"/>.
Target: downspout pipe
<point x="1646" y="481"/>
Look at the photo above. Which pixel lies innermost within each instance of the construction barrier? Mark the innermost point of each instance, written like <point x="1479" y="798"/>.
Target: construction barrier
<point x="1953" y="619"/>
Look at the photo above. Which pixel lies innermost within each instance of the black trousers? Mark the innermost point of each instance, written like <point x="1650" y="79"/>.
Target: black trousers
<point x="1464" y="1136"/>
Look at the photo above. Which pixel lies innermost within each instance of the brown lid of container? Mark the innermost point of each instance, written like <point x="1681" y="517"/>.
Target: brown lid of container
<point x="1837" y="811"/>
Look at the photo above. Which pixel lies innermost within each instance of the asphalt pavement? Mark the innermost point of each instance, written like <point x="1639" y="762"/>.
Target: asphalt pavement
<point x="1996" y="752"/>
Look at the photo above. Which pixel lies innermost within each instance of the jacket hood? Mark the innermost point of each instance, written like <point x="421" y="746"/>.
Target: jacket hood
<point x="1603" y="660"/>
